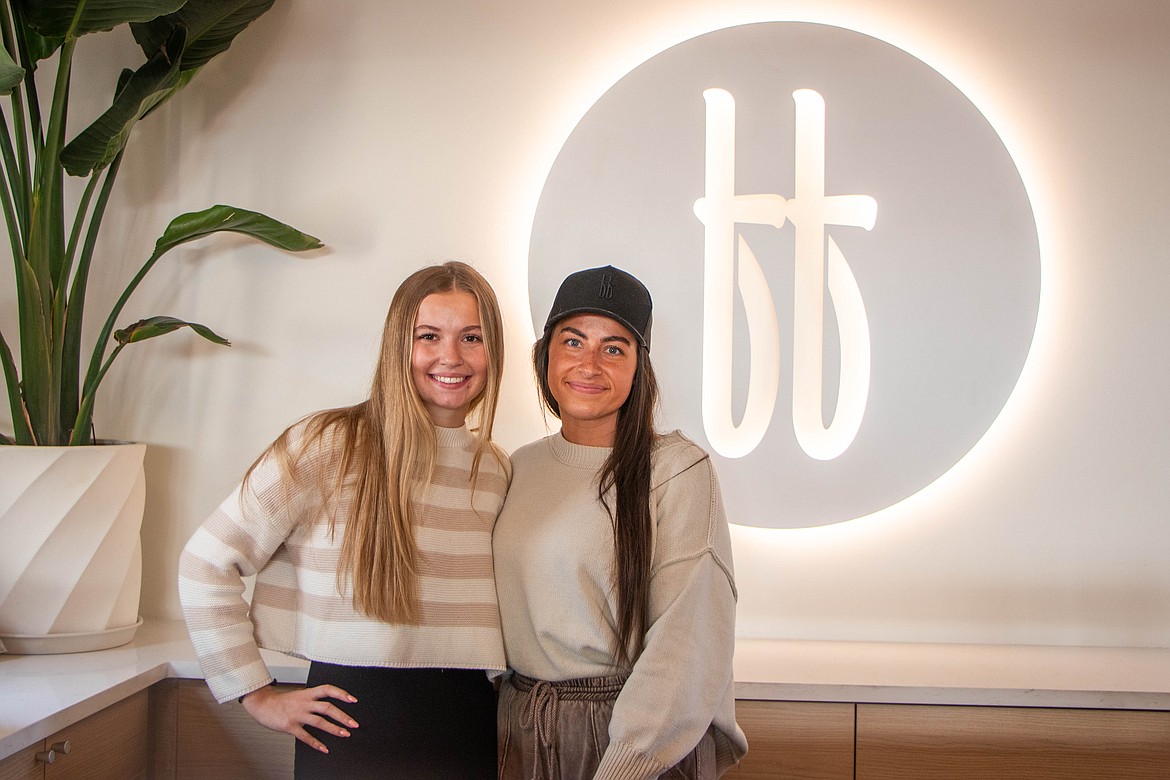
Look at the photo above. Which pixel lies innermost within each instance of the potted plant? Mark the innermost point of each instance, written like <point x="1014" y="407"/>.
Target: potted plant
<point x="69" y="554"/>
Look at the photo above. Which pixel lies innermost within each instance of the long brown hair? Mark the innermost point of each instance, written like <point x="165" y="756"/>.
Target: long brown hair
<point x="627" y="472"/>
<point x="387" y="448"/>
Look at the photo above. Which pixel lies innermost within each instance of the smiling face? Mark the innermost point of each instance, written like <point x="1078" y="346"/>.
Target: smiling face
<point x="448" y="358"/>
<point x="591" y="364"/>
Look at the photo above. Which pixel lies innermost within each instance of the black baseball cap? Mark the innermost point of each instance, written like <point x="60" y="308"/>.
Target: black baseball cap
<point x="608" y="291"/>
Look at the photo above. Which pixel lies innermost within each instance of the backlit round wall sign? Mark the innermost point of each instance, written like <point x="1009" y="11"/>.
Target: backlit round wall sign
<point x="842" y="254"/>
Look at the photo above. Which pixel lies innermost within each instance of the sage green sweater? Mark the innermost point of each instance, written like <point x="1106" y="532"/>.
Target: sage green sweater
<point x="554" y="562"/>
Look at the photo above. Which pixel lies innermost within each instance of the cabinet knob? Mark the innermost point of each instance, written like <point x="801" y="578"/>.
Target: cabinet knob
<point x="62" y="747"/>
<point x="46" y="757"/>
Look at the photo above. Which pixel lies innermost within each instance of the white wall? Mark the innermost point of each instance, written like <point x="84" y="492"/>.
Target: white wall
<point x="403" y="133"/>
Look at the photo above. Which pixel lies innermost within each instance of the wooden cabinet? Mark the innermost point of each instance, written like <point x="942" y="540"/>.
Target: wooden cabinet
<point x="23" y="765"/>
<point x="176" y="731"/>
<point x="113" y="744"/>
<point x="812" y="740"/>
<point x="906" y="741"/>
<point x="204" y="739"/>
<point x="825" y="741"/>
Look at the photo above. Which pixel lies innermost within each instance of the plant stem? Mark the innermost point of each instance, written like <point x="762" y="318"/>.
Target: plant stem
<point x="34" y="107"/>
<point x="71" y="364"/>
<point x="22" y="430"/>
<point x="17" y="168"/>
<point x="93" y="377"/>
<point x="11" y="217"/>
<point x="15" y="208"/>
<point x="81" y="433"/>
<point x="46" y="245"/>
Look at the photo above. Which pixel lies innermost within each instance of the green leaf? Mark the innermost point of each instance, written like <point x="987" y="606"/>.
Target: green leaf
<point x="182" y="229"/>
<point x="211" y="26"/>
<point x="11" y="74"/>
<point x="97" y="145"/>
<point x="55" y="18"/>
<point x="36" y="356"/>
<point x="152" y="327"/>
<point x="197" y="224"/>
<point x="39" y="47"/>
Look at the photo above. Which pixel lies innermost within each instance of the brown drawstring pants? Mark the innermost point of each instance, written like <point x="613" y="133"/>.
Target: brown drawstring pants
<point x="560" y="730"/>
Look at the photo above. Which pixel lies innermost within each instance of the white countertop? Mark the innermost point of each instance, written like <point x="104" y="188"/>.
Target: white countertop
<point x="41" y="694"/>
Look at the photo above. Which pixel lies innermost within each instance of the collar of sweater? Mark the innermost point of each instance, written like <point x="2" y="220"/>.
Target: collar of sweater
<point x="577" y="454"/>
<point x="454" y="437"/>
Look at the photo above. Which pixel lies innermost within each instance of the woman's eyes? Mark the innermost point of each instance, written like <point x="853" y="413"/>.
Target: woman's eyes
<point x="613" y="350"/>
<point x="471" y="338"/>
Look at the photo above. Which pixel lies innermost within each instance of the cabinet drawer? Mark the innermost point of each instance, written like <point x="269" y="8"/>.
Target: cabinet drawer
<point x="911" y="741"/>
<point x="810" y="740"/>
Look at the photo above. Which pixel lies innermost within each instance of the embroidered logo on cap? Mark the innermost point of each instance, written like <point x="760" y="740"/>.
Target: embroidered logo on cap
<point x="606" y="290"/>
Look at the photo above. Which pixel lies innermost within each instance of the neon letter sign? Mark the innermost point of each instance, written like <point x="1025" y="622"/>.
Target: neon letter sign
<point x="809" y="211"/>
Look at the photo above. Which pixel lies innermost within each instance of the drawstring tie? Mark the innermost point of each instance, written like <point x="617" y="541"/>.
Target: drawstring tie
<point x="540" y="714"/>
<point x="541" y="710"/>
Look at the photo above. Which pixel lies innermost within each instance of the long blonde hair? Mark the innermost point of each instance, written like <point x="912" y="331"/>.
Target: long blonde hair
<point x="387" y="447"/>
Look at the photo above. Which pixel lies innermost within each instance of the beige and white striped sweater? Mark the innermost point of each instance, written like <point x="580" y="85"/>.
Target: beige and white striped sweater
<point x="279" y="529"/>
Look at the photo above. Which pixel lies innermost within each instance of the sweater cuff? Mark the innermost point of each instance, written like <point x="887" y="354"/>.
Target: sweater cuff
<point x="622" y="762"/>
<point x="240" y="698"/>
<point x="234" y="684"/>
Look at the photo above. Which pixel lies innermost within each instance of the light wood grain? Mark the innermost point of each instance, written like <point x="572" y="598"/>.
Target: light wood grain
<point x="223" y="742"/>
<point x="812" y="740"/>
<point x="164" y="728"/>
<point x="23" y="765"/>
<point x="906" y="741"/>
<point x="113" y="744"/>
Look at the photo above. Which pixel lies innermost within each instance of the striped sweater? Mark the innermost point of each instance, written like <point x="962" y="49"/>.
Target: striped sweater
<point x="278" y="528"/>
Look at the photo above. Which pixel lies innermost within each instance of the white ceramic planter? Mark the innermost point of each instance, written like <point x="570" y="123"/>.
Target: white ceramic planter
<point x="70" y="551"/>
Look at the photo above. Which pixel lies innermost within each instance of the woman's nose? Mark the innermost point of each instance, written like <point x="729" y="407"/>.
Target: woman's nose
<point x="450" y="354"/>
<point x="589" y="362"/>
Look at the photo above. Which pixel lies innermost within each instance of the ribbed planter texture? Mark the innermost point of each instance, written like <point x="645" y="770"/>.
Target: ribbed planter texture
<point x="70" y="551"/>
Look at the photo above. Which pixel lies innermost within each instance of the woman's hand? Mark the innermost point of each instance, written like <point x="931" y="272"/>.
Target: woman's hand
<point x="291" y="711"/>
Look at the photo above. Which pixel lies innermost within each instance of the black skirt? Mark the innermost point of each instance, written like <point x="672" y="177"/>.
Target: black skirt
<point x="413" y="723"/>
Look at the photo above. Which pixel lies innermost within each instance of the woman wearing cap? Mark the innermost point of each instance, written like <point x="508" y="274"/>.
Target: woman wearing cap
<point x="613" y="565"/>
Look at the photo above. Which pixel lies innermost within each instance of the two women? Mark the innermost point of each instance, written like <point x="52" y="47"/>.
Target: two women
<point x="370" y="530"/>
<point x="613" y="565"/>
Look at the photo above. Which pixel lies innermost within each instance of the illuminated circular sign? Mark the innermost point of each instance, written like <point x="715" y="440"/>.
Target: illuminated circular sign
<point x="843" y="258"/>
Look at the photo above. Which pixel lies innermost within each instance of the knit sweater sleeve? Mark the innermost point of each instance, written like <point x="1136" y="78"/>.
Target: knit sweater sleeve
<point x="682" y="682"/>
<point x="236" y="541"/>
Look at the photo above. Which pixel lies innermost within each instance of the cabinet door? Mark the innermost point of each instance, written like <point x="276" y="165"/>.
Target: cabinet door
<point x="911" y="741"/>
<point x="223" y="742"/>
<point x="110" y="745"/>
<point x="23" y="765"/>
<point x="810" y="740"/>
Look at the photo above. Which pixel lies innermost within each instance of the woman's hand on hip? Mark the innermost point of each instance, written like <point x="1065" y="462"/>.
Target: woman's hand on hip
<point x="291" y="711"/>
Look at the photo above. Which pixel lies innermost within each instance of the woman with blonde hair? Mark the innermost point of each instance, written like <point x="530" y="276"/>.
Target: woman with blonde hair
<point x="369" y="529"/>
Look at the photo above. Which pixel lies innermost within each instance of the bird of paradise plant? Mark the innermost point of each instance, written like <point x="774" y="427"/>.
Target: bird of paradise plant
<point x="50" y="397"/>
